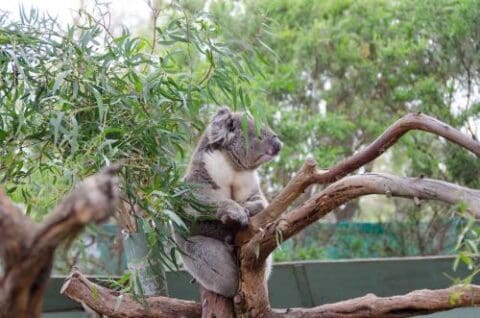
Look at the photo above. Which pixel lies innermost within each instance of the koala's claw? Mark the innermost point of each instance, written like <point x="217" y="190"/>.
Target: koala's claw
<point x="239" y="218"/>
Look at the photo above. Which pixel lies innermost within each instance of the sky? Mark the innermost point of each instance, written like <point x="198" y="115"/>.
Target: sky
<point x="65" y="10"/>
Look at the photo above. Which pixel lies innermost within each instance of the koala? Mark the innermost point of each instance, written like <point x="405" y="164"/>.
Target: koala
<point x="223" y="175"/>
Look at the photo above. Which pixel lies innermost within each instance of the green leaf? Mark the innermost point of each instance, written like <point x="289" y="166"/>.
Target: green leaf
<point x="175" y="218"/>
<point x="59" y="80"/>
<point x="100" y="106"/>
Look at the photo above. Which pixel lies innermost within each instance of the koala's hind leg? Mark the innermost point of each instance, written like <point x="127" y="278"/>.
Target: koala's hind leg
<point x="210" y="262"/>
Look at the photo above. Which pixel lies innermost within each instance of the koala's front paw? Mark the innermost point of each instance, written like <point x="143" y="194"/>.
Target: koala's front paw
<point x="234" y="214"/>
<point x="253" y="207"/>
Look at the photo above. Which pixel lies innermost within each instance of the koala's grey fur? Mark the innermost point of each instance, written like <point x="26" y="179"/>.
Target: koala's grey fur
<point x="223" y="174"/>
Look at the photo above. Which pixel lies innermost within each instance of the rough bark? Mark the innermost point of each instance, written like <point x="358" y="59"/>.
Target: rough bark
<point x="27" y="250"/>
<point x="13" y="225"/>
<point x="252" y="299"/>
<point x="215" y="305"/>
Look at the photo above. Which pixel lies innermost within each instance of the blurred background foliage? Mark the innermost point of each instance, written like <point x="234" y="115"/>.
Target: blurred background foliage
<point x="329" y="76"/>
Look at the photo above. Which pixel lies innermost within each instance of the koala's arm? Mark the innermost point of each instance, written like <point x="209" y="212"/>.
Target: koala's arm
<point x="224" y="209"/>
<point x="255" y="203"/>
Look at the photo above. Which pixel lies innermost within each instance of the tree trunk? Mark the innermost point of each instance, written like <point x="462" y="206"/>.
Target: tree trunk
<point x="24" y="300"/>
<point x="215" y="305"/>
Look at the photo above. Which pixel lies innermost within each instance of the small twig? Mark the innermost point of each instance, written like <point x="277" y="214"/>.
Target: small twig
<point x="155" y="14"/>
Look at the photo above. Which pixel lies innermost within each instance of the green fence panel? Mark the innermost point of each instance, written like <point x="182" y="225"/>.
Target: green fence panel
<point x="312" y="283"/>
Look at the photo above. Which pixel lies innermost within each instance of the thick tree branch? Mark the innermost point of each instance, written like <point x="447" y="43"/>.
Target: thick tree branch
<point x="348" y="188"/>
<point x="419" y="302"/>
<point x="94" y="200"/>
<point x="13" y="225"/>
<point x="308" y="175"/>
<point x="214" y="305"/>
<point x="113" y="304"/>
<point x="31" y="249"/>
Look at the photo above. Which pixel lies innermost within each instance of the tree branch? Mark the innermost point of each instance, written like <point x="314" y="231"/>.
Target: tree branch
<point x="31" y="249"/>
<point x="352" y="187"/>
<point x="419" y="302"/>
<point x="94" y="200"/>
<point x="308" y="175"/>
<point x="13" y="225"/>
<point x="112" y="304"/>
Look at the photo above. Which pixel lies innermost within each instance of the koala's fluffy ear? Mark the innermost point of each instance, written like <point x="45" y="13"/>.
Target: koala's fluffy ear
<point x="220" y="126"/>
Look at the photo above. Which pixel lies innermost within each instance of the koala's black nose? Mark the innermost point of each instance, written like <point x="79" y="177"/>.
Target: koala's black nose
<point x="276" y="146"/>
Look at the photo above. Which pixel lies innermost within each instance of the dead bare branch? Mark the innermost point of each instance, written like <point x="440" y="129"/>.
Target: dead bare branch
<point x="113" y="304"/>
<point x="419" y="302"/>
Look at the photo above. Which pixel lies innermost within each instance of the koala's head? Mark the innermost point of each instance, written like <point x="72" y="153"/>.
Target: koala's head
<point x="246" y="149"/>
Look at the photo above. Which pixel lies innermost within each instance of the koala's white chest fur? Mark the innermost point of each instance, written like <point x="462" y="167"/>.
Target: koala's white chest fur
<point x="235" y="185"/>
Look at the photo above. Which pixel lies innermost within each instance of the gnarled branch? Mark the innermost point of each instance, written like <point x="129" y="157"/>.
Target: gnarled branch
<point x="113" y="304"/>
